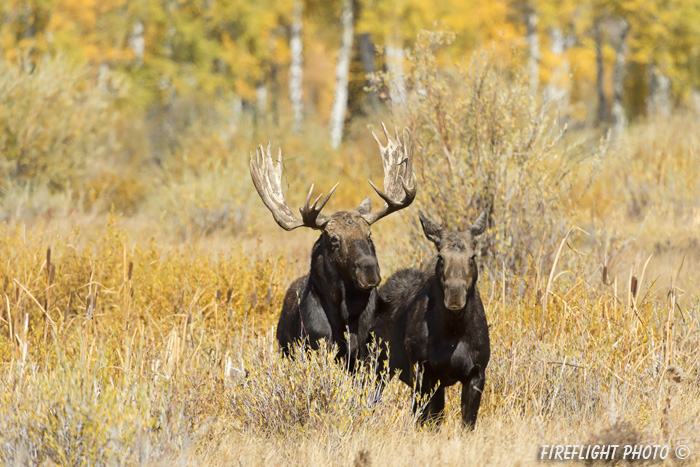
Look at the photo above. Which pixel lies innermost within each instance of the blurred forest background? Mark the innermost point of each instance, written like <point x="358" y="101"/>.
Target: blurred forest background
<point x="111" y="102"/>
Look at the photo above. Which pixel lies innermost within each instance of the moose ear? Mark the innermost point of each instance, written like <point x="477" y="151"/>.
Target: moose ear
<point x="365" y="206"/>
<point x="431" y="229"/>
<point x="479" y="225"/>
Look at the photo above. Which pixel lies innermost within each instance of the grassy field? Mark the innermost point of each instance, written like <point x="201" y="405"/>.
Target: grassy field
<point x="137" y="325"/>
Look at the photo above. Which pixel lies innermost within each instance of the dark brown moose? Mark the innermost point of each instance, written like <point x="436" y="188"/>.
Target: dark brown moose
<point x="338" y="296"/>
<point x="434" y="323"/>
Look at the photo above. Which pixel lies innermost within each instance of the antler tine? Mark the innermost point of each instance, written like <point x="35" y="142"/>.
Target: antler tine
<point x="328" y="196"/>
<point x="389" y="139"/>
<point x="399" y="183"/>
<point x="409" y="158"/>
<point x="311" y="215"/>
<point x="308" y="197"/>
<point x="386" y="133"/>
<point x="267" y="178"/>
<point x="376" y="139"/>
<point x="480" y="224"/>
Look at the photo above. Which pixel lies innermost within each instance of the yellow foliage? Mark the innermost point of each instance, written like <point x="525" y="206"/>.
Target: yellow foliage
<point x="51" y="147"/>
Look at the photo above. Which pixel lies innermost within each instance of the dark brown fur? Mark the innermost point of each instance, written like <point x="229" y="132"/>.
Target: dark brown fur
<point x="338" y="292"/>
<point x="434" y="321"/>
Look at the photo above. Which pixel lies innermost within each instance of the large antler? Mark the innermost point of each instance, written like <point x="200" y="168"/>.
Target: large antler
<point x="399" y="189"/>
<point x="267" y="178"/>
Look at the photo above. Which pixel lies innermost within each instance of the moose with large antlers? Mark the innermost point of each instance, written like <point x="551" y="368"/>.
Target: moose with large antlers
<point x="338" y="296"/>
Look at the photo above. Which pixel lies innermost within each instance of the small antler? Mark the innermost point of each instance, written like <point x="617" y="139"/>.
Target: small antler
<point x="267" y="178"/>
<point x="480" y="224"/>
<point x="399" y="186"/>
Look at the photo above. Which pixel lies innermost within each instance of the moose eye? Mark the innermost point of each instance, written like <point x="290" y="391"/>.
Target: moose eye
<point x="335" y="243"/>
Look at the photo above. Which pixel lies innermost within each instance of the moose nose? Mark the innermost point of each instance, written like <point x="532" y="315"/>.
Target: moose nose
<point x="367" y="273"/>
<point x="455" y="296"/>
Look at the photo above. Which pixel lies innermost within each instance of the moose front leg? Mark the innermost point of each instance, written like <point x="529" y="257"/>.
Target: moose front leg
<point x="428" y="392"/>
<point x="432" y="396"/>
<point x="435" y="409"/>
<point x="313" y="322"/>
<point x="472" y="388"/>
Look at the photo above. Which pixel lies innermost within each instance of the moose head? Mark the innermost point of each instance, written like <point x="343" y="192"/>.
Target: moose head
<point x="345" y="235"/>
<point x="455" y="266"/>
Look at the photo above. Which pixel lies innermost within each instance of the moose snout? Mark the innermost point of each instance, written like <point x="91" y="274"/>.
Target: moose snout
<point x="455" y="295"/>
<point x="367" y="273"/>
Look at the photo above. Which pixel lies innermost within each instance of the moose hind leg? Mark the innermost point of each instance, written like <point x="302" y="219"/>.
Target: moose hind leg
<point x="472" y="388"/>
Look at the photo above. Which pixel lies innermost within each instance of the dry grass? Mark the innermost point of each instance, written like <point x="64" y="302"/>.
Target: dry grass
<point x="157" y="362"/>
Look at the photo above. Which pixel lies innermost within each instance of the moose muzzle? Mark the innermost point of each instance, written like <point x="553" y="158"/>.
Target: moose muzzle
<point x="455" y="295"/>
<point x="367" y="273"/>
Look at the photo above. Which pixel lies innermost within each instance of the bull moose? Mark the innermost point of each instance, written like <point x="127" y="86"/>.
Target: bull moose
<point x="434" y="323"/>
<point x="338" y="295"/>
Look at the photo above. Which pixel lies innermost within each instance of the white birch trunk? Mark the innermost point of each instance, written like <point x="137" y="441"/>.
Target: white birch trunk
<point x="137" y="42"/>
<point x="600" y="89"/>
<point x="695" y="98"/>
<point x="394" y="64"/>
<point x="260" y="100"/>
<point x="342" y="69"/>
<point x="103" y="78"/>
<point x="166" y="83"/>
<point x="659" y="100"/>
<point x="236" y="106"/>
<point x="618" y="109"/>
<point x="533" y="43"/>
<point x="296" y="68"/>
<point x="558" y="86"/>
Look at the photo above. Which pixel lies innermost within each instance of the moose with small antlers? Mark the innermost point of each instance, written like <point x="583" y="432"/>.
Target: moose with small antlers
<point x="338" y="295"/>
<point x="434" y="324"/>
